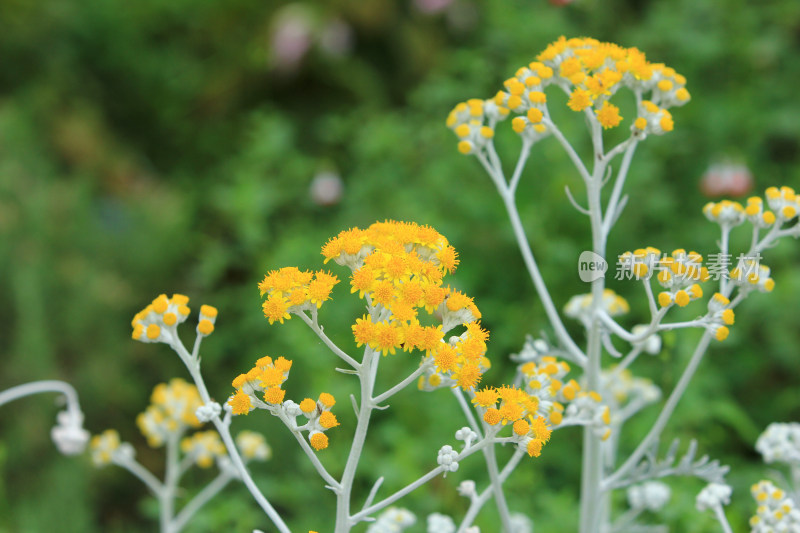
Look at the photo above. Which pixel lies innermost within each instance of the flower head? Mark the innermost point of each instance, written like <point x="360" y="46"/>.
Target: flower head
<point x="171" y="412"/>
<point x="203" y="447"/>
<point x="591" y="72"/>
<point x="253" y="446"/>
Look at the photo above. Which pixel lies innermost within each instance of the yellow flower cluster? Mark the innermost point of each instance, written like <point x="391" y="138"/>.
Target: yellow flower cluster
<point x="783" y="201"/>
<point x="171" y="412"/>
<point x="473" y="122"/>
<point x="518" y="408"/>
<point x="290" y="290"/>
<point x="680" y="273"/>
<point x="203" y="447"/>
<point x="750" y="274"/>
<point x="158" y="321"/>
<point x="266" y="378"/>
<point x="253" y="445"/>
<point x="641" y="261"/>
<point x="776" y="510"/>
<point x="545" y="380"/>
<point x="103" y="447"/>
<point x="398" y="267"/>
<point x="590" y="72"/>
<point x="721" y="316"/>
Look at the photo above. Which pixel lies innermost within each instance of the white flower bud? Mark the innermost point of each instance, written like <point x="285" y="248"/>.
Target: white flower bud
<point x="439" y="523"/>
<point x="467" y="435"/>
<point x="291" y="408"/>
<point x="207" y="412"/>
<point x="68" y="434"/>
<point x="447" y="458"/>
<point x="780" y="442"/>
<point x="652" y="496"/>
<point x="467" y="489"/>
<point x="712" y="496"/>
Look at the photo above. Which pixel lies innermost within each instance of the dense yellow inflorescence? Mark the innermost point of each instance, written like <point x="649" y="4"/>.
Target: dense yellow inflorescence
<point x="290" y="290"/>
<point x="158" y="322"/>
<point x="260" y="388"/>
<point x="519" y="409"/>
<point x="171" y="412"/>
<point x="590" y="72"/>
<point x="399" y="267"/>
<point x="204" y="447"/>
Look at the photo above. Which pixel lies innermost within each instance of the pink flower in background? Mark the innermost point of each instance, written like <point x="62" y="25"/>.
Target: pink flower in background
<point x="432" y="6"/>
<point x="291" y="37"/>
<point x="296" y="28"/>
<point x="326" y="188"/>
<point x="726" y="179"/>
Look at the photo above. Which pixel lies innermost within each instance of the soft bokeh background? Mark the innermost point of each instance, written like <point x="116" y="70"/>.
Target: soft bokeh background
<point x="155" y="146"/>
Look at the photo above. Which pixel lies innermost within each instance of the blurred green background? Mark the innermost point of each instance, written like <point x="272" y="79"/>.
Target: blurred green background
<point x="154" y="146"/>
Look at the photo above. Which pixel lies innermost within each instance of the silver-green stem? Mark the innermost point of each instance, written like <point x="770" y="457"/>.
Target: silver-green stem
<point x="592" y="468"/>
<point x="366" y="374"/>
<point x="202" y="497"/>
<point x="480" y="501"/>
<point x="166" y="498"/>
<point x="192" y="363"/>
<point x="664" y="416"/>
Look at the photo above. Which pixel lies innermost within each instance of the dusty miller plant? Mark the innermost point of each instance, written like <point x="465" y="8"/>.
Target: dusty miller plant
<point x="398" y="269"/>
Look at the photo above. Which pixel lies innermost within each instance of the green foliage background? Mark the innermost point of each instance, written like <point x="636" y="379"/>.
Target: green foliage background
<point x="151" y="146"/>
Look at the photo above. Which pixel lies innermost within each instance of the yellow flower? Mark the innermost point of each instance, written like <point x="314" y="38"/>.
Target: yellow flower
<point x="608" y="115"/>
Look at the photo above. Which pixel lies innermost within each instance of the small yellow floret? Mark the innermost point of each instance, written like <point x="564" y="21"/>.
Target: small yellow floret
<point x="728" y="316"/>
<point x="521" y="427"/>
<point x="327" y="399"/>
<point x="274" y="395"/>
<point x="518" y="124"/>
<point x="722" y="333"/>
<point x="535" y="448"/>
<point x="240" y="403"/>
<point x="664" y="299"/>
<point x="492" y="416"/>
<point x="319" y="441"/>
<point x="462" y="130"/>
<point x="579" y="100"/>
<point x="308" y="405"/>
<point x="179" y="299"/>
<point x="160" y="304"/>
<point x="682" y="298"/>
<point x="640" y="123"/>
<point x="153" y="331"/>
<point x="608" y="115"/>
<point x="205" y="327"/>
<point x="209" y="311"/>
<point x="465" y="147"/>
<point x="328" y="420"/>
<point x="535" y="115"/>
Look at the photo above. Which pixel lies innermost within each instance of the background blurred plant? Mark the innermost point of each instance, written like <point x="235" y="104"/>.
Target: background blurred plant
<point x="164" y="423"/>
<point x="161" y="129"/>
